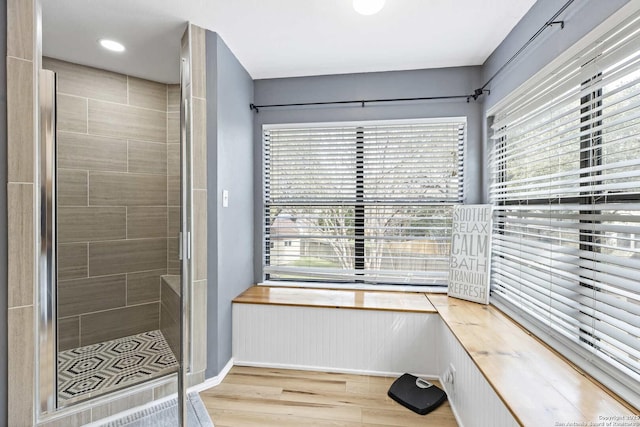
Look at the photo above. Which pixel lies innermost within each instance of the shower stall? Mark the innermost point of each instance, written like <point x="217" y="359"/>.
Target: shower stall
<point x="115" y="232"/>
<point x="106" y="289"/>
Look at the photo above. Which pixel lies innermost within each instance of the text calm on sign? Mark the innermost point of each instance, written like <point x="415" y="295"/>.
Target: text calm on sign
<point x="470" y="253"/>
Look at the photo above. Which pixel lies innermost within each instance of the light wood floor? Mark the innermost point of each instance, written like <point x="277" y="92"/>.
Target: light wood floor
<point x="278" y="397"/>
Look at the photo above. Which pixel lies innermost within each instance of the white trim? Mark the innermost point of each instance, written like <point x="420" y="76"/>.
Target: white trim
<point x="592" y="37"/>
<point x="331" y="370"/>
<point x="427" y="289"/>
<point x="367" y="122"/>
<point x="214" y="381"/>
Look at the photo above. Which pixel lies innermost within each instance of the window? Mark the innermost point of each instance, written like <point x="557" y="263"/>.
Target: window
<point x="361" y="203"/>
<point x="566" y="190"/>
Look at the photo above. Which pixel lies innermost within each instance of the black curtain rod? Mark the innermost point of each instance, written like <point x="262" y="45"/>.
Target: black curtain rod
<point x="359" y="101"/>
<point x="475" y="95"/>
<point x="551" y="22"/>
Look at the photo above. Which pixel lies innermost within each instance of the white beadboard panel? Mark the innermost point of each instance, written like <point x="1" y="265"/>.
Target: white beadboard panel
<point x="474" y="402"/>
<point x="339" y="340"/>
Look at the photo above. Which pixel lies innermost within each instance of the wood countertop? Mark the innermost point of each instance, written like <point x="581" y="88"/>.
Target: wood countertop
<point x="538" y="385"/>
<point x="337" y="298"/>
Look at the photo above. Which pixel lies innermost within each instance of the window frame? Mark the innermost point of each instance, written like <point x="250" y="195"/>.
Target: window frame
<point x="357" y="284"/>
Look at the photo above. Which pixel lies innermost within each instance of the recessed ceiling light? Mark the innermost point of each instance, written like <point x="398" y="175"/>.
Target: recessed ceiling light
<point x="112" y="45"/>
<point x="368" y="7"/>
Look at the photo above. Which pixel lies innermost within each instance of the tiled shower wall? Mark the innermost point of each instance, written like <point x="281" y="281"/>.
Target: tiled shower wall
<point x="173" y="177"/>
<point x="118" y="198"/>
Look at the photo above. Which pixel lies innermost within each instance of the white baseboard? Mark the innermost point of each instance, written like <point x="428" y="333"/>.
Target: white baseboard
<point x="332" y="370"/>
<point x="214" y="381"/>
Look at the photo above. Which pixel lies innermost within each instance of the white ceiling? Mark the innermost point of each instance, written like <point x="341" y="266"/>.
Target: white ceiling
<point x="281" y="38"/>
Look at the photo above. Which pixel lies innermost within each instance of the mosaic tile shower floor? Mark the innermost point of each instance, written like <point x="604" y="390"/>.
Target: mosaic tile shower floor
<point x="99" y="368"/>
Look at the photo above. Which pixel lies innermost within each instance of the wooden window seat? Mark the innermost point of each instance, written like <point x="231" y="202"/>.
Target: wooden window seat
<point x="503" y="375"/>
<point x="333" y="298"/>
<point x="538" y="385"/>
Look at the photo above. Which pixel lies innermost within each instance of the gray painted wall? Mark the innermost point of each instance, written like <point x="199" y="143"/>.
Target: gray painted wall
<point x="580" y="18"/>
<point x="230" y="167"/>
<point x="394" y="84"/>
<point x="3" y="212"/>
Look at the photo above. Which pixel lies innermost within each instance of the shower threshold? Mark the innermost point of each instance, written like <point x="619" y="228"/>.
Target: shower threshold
<point x="100" y="368"/>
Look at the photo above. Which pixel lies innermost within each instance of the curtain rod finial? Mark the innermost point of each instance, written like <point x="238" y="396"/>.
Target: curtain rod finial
<point x="478" y="93"/>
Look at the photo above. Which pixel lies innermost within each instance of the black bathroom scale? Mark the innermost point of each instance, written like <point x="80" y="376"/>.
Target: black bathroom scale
<point x="416" y="394"/>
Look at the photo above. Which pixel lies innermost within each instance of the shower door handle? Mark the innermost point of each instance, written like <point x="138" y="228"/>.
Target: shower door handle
<point x="184" y="250"/>
<point x="188" y="243"/>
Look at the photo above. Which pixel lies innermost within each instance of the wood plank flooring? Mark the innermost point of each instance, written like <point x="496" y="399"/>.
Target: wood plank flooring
<point x="286" y="398"/>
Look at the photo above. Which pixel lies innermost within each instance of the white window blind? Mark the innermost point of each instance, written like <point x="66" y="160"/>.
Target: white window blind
<point x="566" y="189"/>
<point x="368" y="203"/>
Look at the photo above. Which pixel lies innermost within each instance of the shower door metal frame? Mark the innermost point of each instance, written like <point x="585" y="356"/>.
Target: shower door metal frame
<point x="47" y="377"/>
<point x="186" y="226"/>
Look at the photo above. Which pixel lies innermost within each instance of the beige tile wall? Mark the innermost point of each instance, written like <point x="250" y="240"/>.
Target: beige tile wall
<point x="113" y="219"/>
<point x="169" y="315"/>
<point x="173" y="178"/>
<point x="199" y="197"/>
<point x="21" y="212"/>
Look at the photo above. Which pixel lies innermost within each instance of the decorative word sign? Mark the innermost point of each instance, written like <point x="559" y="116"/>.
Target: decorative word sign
<point x="470" y="250"/>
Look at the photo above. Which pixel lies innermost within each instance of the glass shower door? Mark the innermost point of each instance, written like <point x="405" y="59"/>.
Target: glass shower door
<point x="117" y="300"/>
<point x="115" y="226"/>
